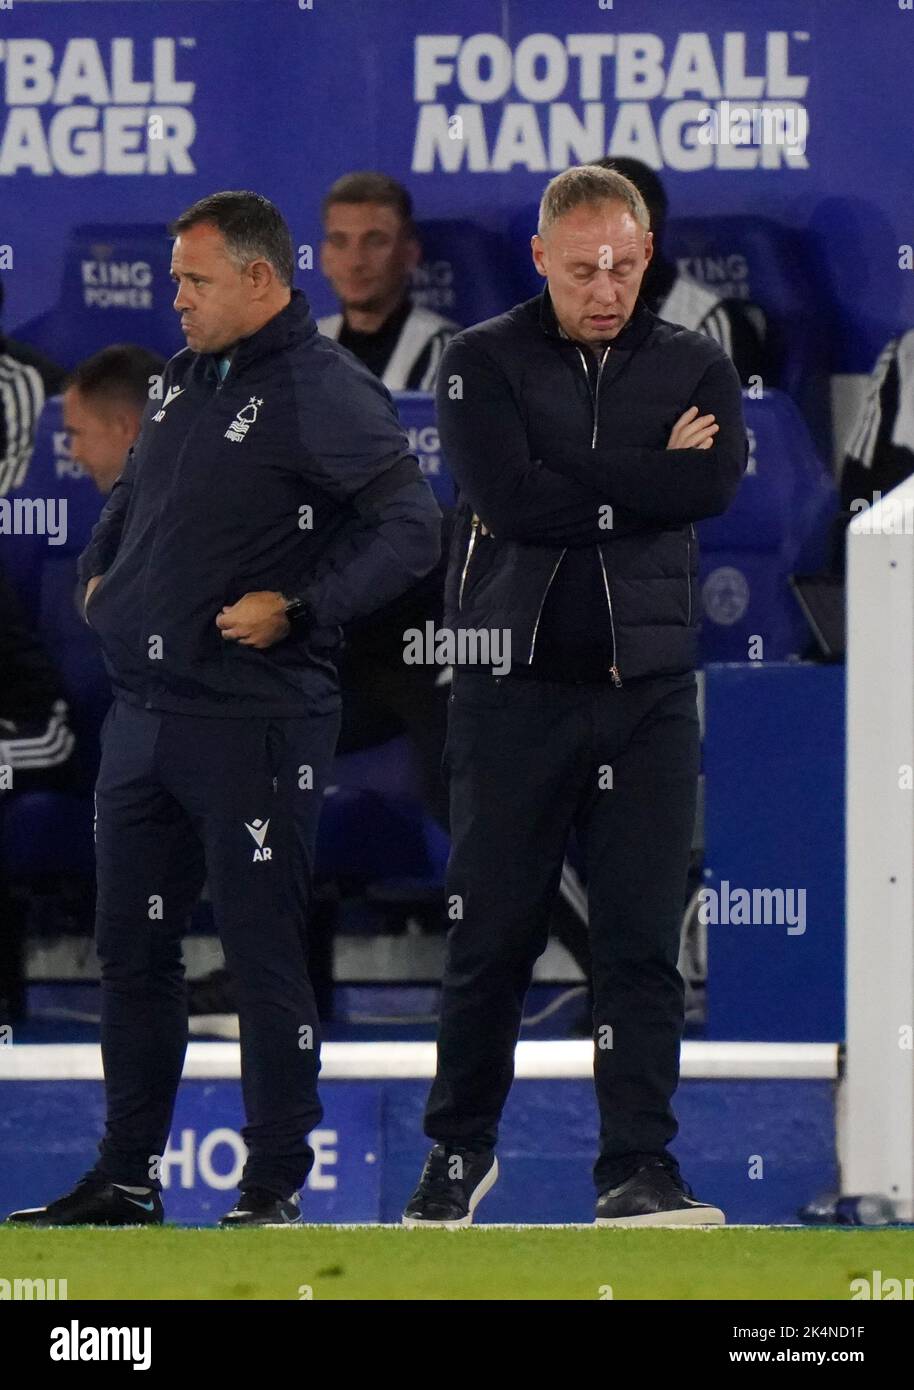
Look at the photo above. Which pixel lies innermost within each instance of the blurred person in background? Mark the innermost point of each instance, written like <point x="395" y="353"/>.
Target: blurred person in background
<point x="370" y="249"/>
<point x="27" y="379"/>
<point x="879" y="453"/>
<point x="103" y="403"/>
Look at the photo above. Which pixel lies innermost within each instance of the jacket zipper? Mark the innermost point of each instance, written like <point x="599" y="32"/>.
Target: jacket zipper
<point x="466" y="564"/>
<point x="595" y="396"/>
<point x="474" y="531"/>
<point x="166" y="498"/>
<point x="543" y="603"/>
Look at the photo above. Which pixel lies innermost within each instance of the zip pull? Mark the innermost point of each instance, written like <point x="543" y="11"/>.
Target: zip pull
<point x="471" y="544"/>
<point x="617" y="679"/>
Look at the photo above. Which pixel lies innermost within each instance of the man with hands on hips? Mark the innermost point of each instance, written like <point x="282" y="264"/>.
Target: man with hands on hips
<point x="269" y="498"/>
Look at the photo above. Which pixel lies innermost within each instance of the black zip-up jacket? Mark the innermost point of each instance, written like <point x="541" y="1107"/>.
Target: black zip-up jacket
<point x="214" y="503"/>
<point x="542" y="439"/>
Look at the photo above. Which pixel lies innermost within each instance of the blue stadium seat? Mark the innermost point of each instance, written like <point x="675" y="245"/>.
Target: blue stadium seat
<point x="465" y="272"/>
<point x="115" y="289"/>
<point x="526" y="280"/>
<point x="778" y="524"/>
<point x="373" y="829"/>
<point x="775" y="266"/>
<point x="47" y="833"/>
<point x="21" y="562"/>
<point x="417" y="416"/>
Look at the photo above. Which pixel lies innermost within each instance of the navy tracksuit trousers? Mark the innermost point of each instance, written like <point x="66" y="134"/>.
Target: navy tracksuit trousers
<point x="181" y="800"/>
<point x="527" y="759"/>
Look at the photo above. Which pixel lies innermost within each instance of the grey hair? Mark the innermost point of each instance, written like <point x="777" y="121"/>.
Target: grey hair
<point x="589" y="184"/>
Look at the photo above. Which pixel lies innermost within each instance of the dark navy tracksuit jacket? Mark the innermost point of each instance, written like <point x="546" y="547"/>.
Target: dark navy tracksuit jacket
<point x="291" y="474"/>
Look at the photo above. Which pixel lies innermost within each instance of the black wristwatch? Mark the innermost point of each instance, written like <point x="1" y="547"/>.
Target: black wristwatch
<point x="298" y="610"/>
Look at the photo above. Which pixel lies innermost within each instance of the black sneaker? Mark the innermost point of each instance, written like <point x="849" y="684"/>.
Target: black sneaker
<point x="655" y="1196"/>
<point x="453" y="1183"/>
<point x="258" y="1208"/>
<point x="96" y="1202"/>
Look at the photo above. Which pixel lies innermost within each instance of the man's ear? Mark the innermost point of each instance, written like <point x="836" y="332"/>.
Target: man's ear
<point x="648" y="248"/>
<point x="262" y="275"/>
<point x="538" y="250"/>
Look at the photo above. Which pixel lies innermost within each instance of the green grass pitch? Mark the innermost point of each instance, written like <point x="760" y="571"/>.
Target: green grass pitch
<point x="387" y="1262"/>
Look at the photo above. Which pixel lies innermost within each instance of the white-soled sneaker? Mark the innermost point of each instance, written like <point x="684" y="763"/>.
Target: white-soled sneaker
<point x="655" y="1196"/>
<point x="453" y="1183"/>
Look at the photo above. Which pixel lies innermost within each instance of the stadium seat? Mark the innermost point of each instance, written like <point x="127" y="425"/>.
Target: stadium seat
<point x="526" y="281"/>
<point x="465" y="273"/>
<point x="47" y="833"/>
<point x="779" y="524"/>
<point x="417" y="416"/>
<point x="373" y="829"/>
<point x="115" y="289"/>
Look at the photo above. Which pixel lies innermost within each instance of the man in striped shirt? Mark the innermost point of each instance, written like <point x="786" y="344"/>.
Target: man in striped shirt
<point x="879" y="453"/>
<point x="26" y="380"/>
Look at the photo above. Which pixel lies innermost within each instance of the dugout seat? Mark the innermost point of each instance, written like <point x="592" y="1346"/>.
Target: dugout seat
<point x="417" y="416"/>
<point x="115" y="289"/>
<point x="527" y="282"/>
<point x="465" y="272"/>
<point x="778" y="524"/>
<point x="373" y="829"/>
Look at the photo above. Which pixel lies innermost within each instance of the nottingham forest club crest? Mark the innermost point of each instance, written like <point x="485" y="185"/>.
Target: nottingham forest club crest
<point x="243" y="420"/>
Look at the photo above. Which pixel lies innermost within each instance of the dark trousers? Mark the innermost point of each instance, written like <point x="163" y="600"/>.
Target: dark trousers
<point x="182" y="799"/>
<point x="527" y="760"/>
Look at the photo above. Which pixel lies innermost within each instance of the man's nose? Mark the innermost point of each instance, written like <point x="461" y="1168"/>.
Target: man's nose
<point x="607" y="291"/>
<point x="181" y="300"/>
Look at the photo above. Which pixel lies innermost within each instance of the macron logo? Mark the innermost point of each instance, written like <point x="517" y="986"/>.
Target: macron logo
<point x="75" y="1343"/>
<point x="173" y="393"/>
<point x="258" y="830"/>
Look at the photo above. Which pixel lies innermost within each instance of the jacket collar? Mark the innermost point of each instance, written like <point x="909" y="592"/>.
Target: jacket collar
<point x="293" y="323"/>
<point x="639" y="326"/>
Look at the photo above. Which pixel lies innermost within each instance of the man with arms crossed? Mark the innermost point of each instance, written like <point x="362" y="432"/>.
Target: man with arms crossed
<point x="270" y="497"/>
<point x="586" y="437"/>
